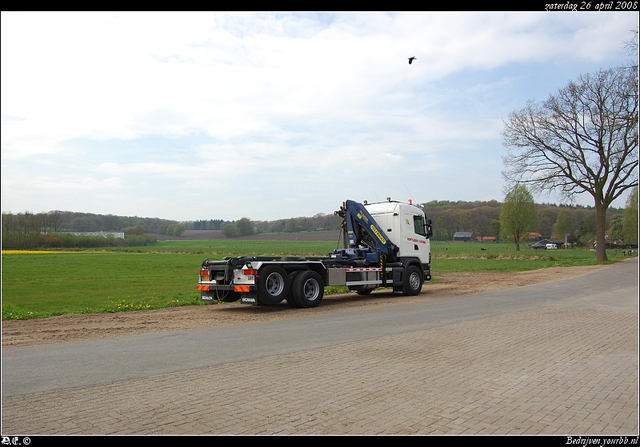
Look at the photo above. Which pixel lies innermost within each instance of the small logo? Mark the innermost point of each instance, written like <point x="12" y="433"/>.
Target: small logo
<point x="16" y="440"/>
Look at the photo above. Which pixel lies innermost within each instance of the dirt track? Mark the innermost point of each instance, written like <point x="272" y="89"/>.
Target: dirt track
<point x="94" y="326"/>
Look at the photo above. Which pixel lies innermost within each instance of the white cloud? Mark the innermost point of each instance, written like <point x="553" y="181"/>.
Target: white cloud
<point x="266" y="100"/>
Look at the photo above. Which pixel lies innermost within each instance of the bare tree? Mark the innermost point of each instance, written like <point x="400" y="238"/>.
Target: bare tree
<point x="632" y="46"/>
<point x="583" y="139"/>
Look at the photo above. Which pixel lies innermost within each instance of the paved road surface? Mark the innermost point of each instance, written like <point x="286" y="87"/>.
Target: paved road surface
<point x="556" y="358"/>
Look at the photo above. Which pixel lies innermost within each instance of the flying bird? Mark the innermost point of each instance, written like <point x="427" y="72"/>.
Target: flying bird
<point x="411" y="59"/>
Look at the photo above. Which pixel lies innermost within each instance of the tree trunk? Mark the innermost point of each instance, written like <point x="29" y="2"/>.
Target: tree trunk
<point x="601" y="227"/>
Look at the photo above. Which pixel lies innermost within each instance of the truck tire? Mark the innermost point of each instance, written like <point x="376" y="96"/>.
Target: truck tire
<point x="307" y="289"/>
<point x="289" y="297"/>
<point x="412" y="281"/>
<point x="273" y="284"/>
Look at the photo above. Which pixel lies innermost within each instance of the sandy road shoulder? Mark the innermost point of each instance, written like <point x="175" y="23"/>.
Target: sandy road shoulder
<point x="72" y="327"/>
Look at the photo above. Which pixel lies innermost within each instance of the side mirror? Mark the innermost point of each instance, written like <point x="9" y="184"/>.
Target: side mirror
<point x="428" y="229"/>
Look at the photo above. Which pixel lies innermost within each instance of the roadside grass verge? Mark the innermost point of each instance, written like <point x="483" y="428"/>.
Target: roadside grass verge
<point x="46" y="283"/>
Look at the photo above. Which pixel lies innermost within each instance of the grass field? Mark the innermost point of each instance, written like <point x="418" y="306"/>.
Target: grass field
<point x="462" y="257"/>
<point x="40" y="284"/>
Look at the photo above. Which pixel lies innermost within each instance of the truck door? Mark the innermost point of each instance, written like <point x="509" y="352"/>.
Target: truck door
<point x="414" y="239"/>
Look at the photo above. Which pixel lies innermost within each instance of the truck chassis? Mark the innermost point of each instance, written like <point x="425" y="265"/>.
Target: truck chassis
<point x="301" y="281"/>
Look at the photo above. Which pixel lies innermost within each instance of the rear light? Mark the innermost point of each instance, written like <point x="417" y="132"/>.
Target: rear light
<point x="204" y="275"/>
<point x="249" y="272"/>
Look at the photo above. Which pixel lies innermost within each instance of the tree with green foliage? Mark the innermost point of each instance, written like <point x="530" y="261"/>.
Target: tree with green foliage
<point x="230" y="231"/>
<point x="546" y="219"/>
<point x="630" y="219"/>
<point x="138" y="230"/>
<point x="565" y="224"/>
<point x="178" y="229"/>
<point x="588" y="229"/>
<point x="495" y="228"/>
<point x="616" y="231"/>
<point x="518" y="215"/>
<point x="244" y="227"/>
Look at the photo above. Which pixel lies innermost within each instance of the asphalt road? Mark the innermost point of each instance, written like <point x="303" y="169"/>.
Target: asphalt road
<point x="91" y="363"/>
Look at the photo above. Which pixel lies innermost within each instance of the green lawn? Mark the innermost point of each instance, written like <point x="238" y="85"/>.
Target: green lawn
<point x="53" y="284"/>
<point x="38" y="284"/>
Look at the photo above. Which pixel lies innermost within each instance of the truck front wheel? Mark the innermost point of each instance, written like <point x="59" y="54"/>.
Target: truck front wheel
<point x="413" y="281"/>
<point x="307" y="289"/>
<point x="273" y="285"/>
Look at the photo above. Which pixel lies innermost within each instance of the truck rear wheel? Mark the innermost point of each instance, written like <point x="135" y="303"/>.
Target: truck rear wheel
<point x="413" y="281"/>
<point x="273" y="284"/>
<point x="307" y="289"/>
<point x="289" y="298"/>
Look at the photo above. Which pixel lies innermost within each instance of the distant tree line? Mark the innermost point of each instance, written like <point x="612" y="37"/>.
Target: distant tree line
<point x="550" y="221"/>
<point x="448" y="217"/>
<point x="482" y="218"/>
<point x="213" y="224"/>
<point x="318" y="222"/>
<point x="246" y="226"/>
<point x="86" y="222"/>
<point x="520" y="216"/>
<point x="49" y="230"/>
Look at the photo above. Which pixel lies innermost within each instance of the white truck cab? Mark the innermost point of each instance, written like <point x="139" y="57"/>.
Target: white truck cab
<point x="404" y="224"/>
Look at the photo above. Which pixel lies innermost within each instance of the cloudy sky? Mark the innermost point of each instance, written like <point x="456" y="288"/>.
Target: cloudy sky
<point x="191" y="116"/>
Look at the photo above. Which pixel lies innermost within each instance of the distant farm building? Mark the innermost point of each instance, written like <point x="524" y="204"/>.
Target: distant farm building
<point x="463" y="236"/>
<point x="486" y="238"/>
